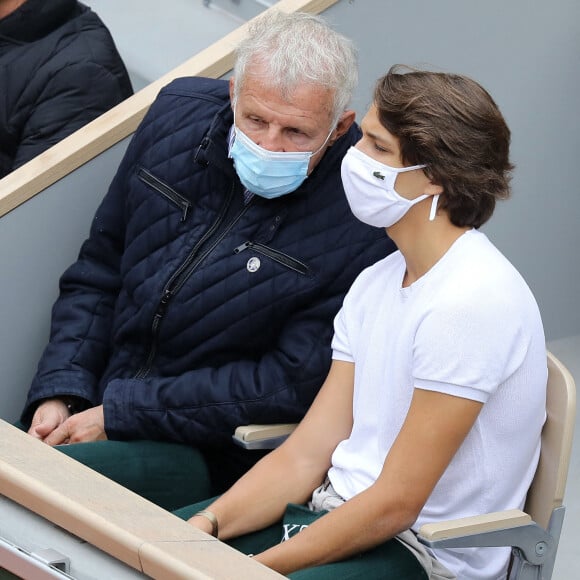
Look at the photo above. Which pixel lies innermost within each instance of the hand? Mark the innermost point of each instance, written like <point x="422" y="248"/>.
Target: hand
<point x="48" y="416"/>
<point x="82" y="427"/>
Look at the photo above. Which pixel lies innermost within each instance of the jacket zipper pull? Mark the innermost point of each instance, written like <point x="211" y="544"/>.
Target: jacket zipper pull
<point x="242" y="247"/>
<point x="198" y="158"/>
<point x="161" y="309"/>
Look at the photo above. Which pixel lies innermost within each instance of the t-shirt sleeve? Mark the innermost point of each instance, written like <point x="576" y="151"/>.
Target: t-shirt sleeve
<point x="467" y="348"/>
<point x="340" y="342"/>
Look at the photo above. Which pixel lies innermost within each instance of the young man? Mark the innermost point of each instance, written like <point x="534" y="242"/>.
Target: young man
<point x="438" y="381"/>
<point x="204" y="296"/>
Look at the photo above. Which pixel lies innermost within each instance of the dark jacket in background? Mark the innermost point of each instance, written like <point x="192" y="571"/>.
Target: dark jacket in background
<point x="59" y="69"/>
<point x="190" y="311"/>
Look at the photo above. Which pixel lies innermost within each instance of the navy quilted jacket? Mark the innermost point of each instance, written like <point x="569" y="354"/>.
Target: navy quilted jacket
<point x="190" y="312"/>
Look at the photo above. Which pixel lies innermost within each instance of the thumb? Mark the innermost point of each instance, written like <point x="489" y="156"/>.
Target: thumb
<point x="41" y="430"/>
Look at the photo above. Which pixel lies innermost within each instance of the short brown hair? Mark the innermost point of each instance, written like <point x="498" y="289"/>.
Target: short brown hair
<point x="451" y="124"/>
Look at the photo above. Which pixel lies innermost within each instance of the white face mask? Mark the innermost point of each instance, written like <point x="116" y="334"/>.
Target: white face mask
<point x="370" y="190"/>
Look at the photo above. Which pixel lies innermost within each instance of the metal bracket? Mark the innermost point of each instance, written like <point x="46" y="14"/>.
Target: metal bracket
<point x="53" y="558"/>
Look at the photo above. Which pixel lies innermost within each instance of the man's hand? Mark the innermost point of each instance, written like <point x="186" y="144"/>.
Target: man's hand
<point x="49" y="415"/>
<point x="82" y="427"/>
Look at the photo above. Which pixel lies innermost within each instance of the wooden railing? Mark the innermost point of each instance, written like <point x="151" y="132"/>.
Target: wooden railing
<point x="111" y="518"/>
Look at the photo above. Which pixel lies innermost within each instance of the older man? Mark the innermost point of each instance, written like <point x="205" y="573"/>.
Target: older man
<point x="205" y="294"/>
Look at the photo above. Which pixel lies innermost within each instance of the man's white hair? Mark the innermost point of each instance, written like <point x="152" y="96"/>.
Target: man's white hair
<point x="296" y="49"/>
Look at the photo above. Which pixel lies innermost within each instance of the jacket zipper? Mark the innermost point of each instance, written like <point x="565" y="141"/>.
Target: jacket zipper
<point x="181" y="275"/>
<point x="276" y="255"/>
<point x="169" y="193"/>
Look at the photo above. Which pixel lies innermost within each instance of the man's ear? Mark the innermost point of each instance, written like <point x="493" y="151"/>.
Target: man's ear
<point x="232" y="83"/>
<point x="433" y="189"/>
<point x="343" y="125"/>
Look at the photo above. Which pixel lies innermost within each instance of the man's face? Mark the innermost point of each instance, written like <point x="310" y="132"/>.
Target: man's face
<point x="382" y="146"/>
<point x="276" y="124"/>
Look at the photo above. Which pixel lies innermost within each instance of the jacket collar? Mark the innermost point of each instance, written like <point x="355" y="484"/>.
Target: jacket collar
<point x="214" y="145"/>
<point x="35" y="19"/>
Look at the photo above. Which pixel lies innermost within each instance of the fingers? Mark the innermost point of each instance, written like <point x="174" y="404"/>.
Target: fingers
<point x="51" y="423"/>
<point x="59" y="436"/>
<point x="80" y="428"/>
<point x="41" y="430"/>
<point x="47" y="418"/>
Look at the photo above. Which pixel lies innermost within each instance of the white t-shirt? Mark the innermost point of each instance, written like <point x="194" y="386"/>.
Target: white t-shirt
<point x="469" y="327"/>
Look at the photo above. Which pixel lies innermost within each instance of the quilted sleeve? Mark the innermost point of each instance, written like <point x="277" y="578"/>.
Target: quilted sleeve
<point x="82" y="315"/>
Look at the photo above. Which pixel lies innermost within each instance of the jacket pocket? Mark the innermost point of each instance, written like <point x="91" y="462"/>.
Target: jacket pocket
<point x="166" y="191"/>
<point x="276" y="255"/>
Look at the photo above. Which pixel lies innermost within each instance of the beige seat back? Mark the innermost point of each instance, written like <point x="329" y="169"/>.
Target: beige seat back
<point x="549" y="484"/>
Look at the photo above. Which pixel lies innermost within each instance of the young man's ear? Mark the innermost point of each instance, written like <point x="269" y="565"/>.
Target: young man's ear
<point x="433" y="189"/>
<point x="343" y="125"/>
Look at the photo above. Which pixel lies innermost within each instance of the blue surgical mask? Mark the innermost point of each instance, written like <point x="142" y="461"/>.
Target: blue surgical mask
<point x="266" y="173"/>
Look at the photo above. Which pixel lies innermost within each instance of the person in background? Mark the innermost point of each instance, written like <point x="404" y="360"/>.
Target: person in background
<point x="438" y="382"/>
<point x="204" y="297"/>
<point x="59" y="69"/>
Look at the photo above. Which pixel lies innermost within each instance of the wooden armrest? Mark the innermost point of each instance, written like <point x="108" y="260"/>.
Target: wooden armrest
<point x="262" y="436"/>
<point x="474" y="525"/>
<point x="112" y="518"/>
